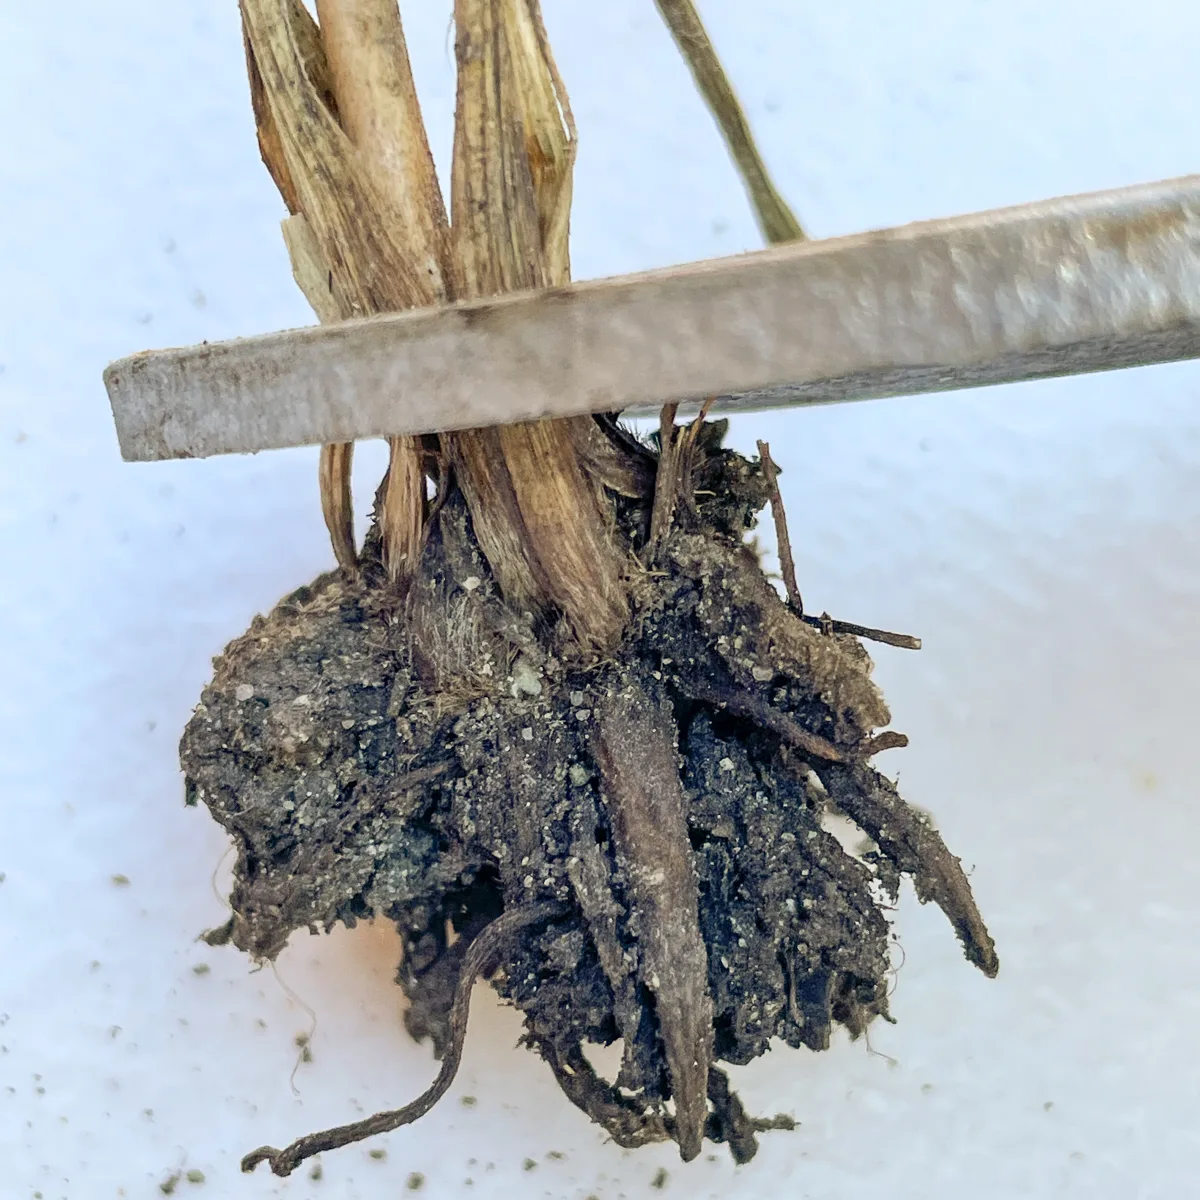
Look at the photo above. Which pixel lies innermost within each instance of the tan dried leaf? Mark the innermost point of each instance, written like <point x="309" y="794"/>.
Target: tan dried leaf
<point x="538" y="518"/>
<point x="368" y="234"/>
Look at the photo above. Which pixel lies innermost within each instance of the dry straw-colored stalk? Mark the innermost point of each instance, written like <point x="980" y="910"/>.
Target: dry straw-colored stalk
<point x="776" y="220"/>
<point x="353" y="208"/>
<point x="538" y="517"/>
<point x="340" y="130"/>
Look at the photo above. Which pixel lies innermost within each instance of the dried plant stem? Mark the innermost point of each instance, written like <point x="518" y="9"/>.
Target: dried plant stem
<point x="377" y="102"/>
<point x="333" y="477"/>
<point x="336" y="460"/>
<point x="538" y="518"/>
<point x="340" y="131"/>
<point x="775" y="218"/>
<point x="902" y="641"/>
<point x="787" y="565"/>
<point x="673" y="483"/>
<point x="357" y="247"/>
<point x="787" y="568"/>
<point x="666" y="483"/>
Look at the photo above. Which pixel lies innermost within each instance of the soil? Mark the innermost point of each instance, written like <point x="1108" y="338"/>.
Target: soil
<point x="634" y="849"/>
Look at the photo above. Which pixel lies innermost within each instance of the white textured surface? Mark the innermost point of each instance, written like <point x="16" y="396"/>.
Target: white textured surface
<point x="1044" y="540"/>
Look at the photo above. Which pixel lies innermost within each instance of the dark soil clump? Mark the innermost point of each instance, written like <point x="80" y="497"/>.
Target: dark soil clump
<point x="632" y="848"/>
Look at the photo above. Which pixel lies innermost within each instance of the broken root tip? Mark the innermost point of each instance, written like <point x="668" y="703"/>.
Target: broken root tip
<point x="730" y="1123"/>
<point x="889" y="739"/>
<point x="281" y="1163"/>
<point x="980" y="951"/>
<point x="827" y="624"/>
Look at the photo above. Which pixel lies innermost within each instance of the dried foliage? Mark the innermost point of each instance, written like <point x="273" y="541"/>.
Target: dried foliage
<point x="360" y="249"/>
<point x="540" y="521"/>
<point x="776" y="220"/>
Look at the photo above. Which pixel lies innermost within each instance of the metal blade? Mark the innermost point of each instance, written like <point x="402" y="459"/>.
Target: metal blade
<point x="1065" y="286"/>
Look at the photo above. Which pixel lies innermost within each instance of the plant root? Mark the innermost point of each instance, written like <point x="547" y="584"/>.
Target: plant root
<point x="483" y="955"/>
<point x="634" y="841"/>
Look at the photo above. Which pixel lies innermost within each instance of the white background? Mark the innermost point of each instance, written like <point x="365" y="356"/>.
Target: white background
<point x="1044" y="540"/>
